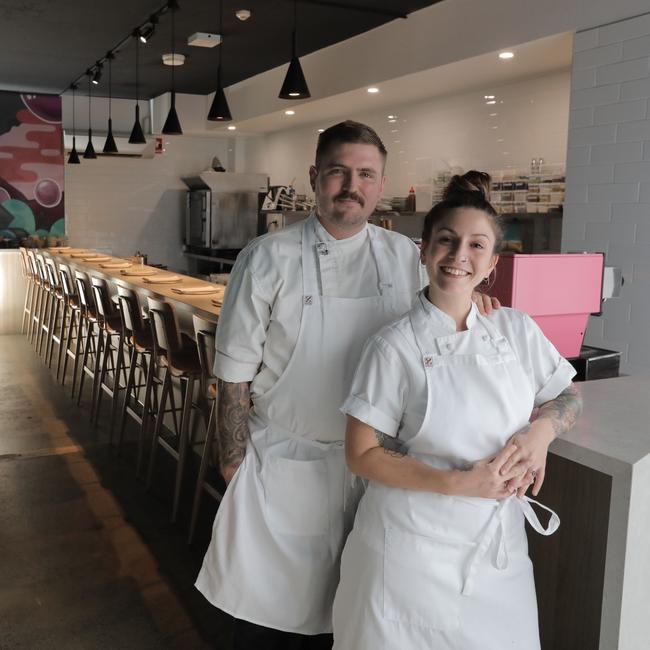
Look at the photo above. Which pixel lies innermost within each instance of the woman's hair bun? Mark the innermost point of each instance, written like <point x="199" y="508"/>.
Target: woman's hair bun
<point x="471" y="181"/>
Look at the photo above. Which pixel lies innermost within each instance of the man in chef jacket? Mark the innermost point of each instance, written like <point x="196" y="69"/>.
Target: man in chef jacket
<point x="300" y="304"/>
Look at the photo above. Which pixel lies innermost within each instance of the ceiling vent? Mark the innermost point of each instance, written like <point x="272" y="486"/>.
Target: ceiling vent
<point x="204" y="39"/>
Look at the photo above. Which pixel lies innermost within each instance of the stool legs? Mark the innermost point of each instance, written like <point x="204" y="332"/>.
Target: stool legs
<point x="183" y="442"/>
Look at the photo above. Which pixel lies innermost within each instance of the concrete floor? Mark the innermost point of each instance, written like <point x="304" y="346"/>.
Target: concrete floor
<point x="88" y="559"/>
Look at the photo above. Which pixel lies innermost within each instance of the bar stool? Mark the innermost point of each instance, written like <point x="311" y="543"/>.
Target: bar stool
<point x="139" y="342"/>
<point x="26" y="271"/>
<point x="109" y="328"/>
<point x="41" y="325"/>
<point x="57" y="309"/>
<point x="37" y="295"/>
<point x="88" y="339"/>
<point x="204" y="332"/>
<point x="73" y="329"/>
<point x="178" y="355"/>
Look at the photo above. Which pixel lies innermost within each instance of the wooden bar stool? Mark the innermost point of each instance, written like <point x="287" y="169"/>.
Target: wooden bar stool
<point x="26" y="271"/>
<point x="37" y="296"/>
<point x="110" y="337"/>
<point x="56" y="319"/>
<point x="139" y="342"/>
<point x="88" y="338"/>
<point x="73" y="328"/>
<point x="204" y="332"/>
<point x="41" y="325"/>
<point x="177" y="355"/>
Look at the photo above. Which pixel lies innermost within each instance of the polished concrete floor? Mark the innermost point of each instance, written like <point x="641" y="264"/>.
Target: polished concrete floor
<point x="88" y="559"/>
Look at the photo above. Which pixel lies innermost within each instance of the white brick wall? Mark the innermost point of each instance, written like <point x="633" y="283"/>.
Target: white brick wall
<point x="608" y="176"/>
<point x="120" y="205"/>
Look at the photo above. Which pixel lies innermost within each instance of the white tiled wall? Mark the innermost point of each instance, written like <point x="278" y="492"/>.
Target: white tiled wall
<point x="608" y="176"/>
<point x="120" y="205"/>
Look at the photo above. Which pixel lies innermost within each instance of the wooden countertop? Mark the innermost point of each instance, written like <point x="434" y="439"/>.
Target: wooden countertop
<point x="201" y="305"/>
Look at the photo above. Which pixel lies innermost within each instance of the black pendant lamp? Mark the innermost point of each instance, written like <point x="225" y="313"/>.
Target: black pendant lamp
<point x="73" y="159"/>
<point x="137" y="135"/>
<point x="295" y="85"/>
<point x="90" y="150"/>
<point x="220" y="111"/>
<point x="172" y="125"/>
<point x="109" y="145"/>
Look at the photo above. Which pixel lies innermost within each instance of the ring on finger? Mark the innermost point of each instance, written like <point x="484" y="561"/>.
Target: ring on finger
<point x="533" y="474"/>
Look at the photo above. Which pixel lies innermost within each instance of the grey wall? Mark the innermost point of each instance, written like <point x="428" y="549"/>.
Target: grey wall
<point x="608" y="176"/>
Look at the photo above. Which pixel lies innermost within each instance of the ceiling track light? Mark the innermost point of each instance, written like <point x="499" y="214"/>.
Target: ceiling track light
<point x="109" y="145"/>
<point x="73" y="159"/>
<point x="219" y="110"/>
<point x="147" y="31"/>
<point x="172" y="124"/>
<point x="89" y="153"/>
<point x="137" y="135"/>
<point x="295" y="85"/>
<point x="98" y="74"/>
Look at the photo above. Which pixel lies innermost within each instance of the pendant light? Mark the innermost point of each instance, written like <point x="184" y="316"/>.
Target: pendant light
<point x="220" y="111"/>
<point x="73" y="159"/>
<point x="109" y="145"/>
<point x="172" y="125"/>
<point x="90" y="150"/>
<point x="294" y="86"/>
<point x="137" y="135"/>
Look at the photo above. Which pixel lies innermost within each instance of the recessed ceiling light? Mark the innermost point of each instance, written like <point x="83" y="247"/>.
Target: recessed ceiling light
<point x="488" y="96"/>
<point x="491" y="101"/>
<point x="320" y="130"/>
<point x="391" y="117"/>
<point x="506" y="153"/>
<point x="493" y="114"/>
<point x="232" y="127"/>
<point x="396" y="141"/>
<point x="506" y="55"/>
<point x="500" y="140"/>
<point x="289" y="112"/>
<point x="392" y="121"/>
<point x="373" y="90"/>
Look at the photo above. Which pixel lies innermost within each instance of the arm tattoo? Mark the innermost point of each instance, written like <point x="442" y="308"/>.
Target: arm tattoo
<point x="232" y="421"/>
<point x="564" y="410"/>
<point x="391" y="446"/>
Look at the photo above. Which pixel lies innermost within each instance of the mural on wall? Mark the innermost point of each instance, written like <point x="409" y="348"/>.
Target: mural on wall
<point x="31" y="166"/>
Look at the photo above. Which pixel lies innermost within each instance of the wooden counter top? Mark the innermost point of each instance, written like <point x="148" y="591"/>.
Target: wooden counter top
<point x="201" y="305"/>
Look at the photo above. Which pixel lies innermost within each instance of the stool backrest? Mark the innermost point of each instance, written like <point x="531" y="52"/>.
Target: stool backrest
<point x="40" y="266"/>
<point x="129" y="310"/>
<point x="52" y="273"/>
<point x="83" y="290"/>
<point x="24" y="262"/>
<point x="205" y="333"/>
<point x="163" y="326"/>
<point x="100" y="295"/>
<point x="67" y="284"/>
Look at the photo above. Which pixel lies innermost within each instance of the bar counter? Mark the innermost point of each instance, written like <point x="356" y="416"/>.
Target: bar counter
<point x="184" y="305"/>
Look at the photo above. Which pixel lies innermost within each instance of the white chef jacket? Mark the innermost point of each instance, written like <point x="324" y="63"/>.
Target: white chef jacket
<point x="258" y="325"/>
<point x="389" y="389"/>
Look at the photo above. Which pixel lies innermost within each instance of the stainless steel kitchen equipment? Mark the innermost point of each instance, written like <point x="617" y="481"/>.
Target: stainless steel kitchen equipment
<point x="222" y="209"/>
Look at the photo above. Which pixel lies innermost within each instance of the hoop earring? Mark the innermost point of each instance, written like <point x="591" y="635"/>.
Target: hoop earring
<point x="487" y="283"/>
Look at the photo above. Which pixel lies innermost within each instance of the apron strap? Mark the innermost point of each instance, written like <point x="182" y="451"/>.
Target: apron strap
<point x="496" y="526"/>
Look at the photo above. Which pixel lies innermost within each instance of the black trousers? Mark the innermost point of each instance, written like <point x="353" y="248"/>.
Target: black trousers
<point x="248" y="636"/>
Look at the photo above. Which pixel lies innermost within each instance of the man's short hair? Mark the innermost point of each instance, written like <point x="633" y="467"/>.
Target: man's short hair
<point x="348" y="132"/>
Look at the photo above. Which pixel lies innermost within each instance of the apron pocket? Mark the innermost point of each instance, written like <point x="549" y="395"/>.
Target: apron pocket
<point x="423" y="579"/>
<point x="296" y="495"/>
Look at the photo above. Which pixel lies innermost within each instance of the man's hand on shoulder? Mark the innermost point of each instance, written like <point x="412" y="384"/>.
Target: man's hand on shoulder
<point x="486" y="304"/>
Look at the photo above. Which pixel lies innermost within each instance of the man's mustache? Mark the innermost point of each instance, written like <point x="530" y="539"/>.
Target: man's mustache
<point x="351" y="196"/>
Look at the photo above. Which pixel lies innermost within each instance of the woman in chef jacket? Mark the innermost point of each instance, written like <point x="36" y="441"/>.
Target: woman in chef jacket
<point x="438" y="422"/>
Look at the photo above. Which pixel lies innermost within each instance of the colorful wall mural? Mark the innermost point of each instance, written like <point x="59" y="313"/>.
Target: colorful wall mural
<point x="31" y="166"/>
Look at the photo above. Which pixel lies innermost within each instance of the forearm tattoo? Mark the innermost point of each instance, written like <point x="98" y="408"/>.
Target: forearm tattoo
<point x="391" y="446"/>
<point x="563" y="411"/>
<point x="232" y="421"/>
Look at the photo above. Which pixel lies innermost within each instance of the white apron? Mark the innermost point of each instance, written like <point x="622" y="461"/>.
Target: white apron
<point x="277" y="537"/>
<point x="425" y="571"/>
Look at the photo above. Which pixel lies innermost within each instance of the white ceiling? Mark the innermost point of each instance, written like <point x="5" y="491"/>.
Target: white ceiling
<point x="531" y="59"/>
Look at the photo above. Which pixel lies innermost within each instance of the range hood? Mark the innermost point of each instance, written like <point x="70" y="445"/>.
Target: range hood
<point x="123" y="146"/>
<point x="220" y="182"/>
